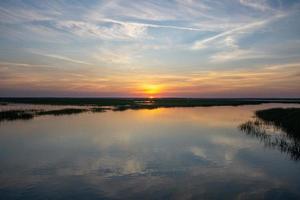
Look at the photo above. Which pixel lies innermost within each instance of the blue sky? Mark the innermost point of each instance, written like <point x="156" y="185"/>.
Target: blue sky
<point x="182" y="48"/>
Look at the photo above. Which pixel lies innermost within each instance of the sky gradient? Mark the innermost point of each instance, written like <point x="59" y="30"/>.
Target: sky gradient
<point x="167" y="48"/>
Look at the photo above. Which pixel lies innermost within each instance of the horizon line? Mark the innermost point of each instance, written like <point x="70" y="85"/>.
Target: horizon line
<point x="74" y="97"/>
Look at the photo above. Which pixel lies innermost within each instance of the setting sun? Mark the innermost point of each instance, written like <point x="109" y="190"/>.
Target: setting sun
<point x="152" y="90"/>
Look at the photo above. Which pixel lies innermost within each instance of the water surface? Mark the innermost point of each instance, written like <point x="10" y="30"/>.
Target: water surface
<point x="166" y="153"/>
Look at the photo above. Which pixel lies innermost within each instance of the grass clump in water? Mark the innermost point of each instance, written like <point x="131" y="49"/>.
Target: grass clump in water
<point x="65" y="111"/>
<point x="284" y="120"/>
<point x="288" y="119"/>
<point x="10" y="115"/>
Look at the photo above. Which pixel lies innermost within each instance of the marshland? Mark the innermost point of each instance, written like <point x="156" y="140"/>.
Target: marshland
<point x="60" y="148"/>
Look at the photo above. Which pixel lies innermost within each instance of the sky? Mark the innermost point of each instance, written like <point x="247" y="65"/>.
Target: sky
<point x="153" y="48"/>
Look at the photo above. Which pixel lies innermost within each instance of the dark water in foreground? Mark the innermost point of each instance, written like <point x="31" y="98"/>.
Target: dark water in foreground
<point x="167" y="153"/>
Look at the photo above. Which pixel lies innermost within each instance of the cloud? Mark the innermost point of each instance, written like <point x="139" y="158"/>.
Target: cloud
<point x="283" y="66"/>
<point x="247" y="81"/>
<point x="148" y="25"/>
<point x="230" y="42"/>
<point x="132" y="166"/>
<point x="250" y="27"/>
<point x="119" y="31"/>
<point x="199" y="152"/>
<point x="237" y="54"/>
<point x="112" y="56"/>
<point x="63" y="58"/>
<point x="147" y="10"/>
<point x="13" y="15"/>
<point x="260" y="5"/>
<point x="19" y="64"/>
<point x="152" y="14"/>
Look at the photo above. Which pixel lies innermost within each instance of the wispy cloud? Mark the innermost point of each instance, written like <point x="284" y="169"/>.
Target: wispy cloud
<point x="25" y="14"/>
<point x="237" y="54"/>
<point x="122" y="57"/>
<point x="260" y="5"/>
<point x="17" y="64"/>
<point x="123" y="31"/>
<point x="277" y="78"/>
<point x="249" y="27"/>
<point x="148" y="25"/>
<point x="63" y="58"/>
<point x="149" y="10"/>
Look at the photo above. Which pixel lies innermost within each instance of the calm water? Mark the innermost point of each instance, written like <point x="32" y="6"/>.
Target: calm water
<point x="168" y="153"/>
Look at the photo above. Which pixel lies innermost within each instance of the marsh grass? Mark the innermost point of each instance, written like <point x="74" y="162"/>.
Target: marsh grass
<point x="285" y="120"/>
<point x="99" y="109"/>
<point x="10" y="115"/>
<point x="65" y="111"/>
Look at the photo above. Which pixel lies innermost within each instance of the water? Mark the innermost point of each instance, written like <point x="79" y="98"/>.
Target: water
<point x="167" y="153"/>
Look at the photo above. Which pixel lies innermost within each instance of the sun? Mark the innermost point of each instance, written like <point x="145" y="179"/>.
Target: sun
<point x="151" y="90"/>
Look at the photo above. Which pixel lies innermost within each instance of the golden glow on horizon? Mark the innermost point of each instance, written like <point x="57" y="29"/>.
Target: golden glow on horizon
<point x="152" y="90"/>
<point x="201" y="84"/>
